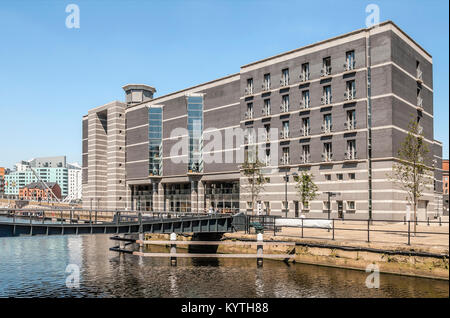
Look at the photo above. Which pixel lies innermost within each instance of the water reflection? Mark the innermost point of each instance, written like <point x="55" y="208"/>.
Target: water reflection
<point x="36" y="267"/>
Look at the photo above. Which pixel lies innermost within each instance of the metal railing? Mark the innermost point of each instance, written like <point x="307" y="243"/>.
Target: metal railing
<point x="368" y="227"/>
<point x="83" y="216"/>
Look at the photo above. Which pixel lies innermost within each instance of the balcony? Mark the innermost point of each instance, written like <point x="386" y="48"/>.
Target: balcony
<point x="350" y="156"/>
<point x="284" y="108"/>
<point x="305" y="159"/>
<point x="305" y="77"/>
<point x="248" y="115"/>
<point x="327" y="129"/>
<point x="327" y="157"/>
<point x="304" y="104"/>
<point x="420" y="103"/>
<point x="350" y="96"/>
<point x="325" y="101"/>
<point x="419" y="74"/>
<point x="248" y="91"/>
<point x="284" y="82"/>
<point x="349" y="66"/>
<point x="350" y="125"/>
<point x="305" y="132"/>
<point x="265" y="112"/>
<point x="325" y="72"/>
<point x="284" y="134"/>
<point x="284" y="161"/>
<point x="265" y="87"/>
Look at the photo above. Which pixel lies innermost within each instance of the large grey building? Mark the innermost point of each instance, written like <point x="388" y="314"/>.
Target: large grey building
<point x="338" y="109"/>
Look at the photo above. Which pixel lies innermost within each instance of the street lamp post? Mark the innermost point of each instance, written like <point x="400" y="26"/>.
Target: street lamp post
<point x="286" y="179"/>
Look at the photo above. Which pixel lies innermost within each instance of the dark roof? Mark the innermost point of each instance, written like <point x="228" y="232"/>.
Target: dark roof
<point x="39" y="185"/>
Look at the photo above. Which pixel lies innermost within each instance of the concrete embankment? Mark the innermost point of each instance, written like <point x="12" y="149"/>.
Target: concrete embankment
<point x="415" y="261"/>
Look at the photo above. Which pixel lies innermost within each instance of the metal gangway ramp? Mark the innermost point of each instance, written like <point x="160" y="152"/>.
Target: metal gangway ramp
<point x="76" y="222"/>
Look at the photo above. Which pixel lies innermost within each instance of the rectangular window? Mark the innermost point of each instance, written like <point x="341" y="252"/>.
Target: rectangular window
<point x="285" y="104"/>
<point x="351" y="150"/>
<point x="350" y="123"/>
<point x="352" y="176"/>
<point x="266" y="108"/>
<point x="350" y="205"/>
<point x="327" y="123"/>
<point x="285" y="131"/>
<point x="284" y="77"/>
<point x="304" y="103"/>
<point x="340" y="176"/>
<point x="267" y="132"/>
<point x="285" y="156"/>
<point x="249" y="88"/>
<point x="327" y="154"/>
<point x="249" y="113"/>
<point x="306" y="156"/>
<point x="304" y="75"/>
<point x="266" y="83"/>
<point x="306" y="129"/>
<point x="326" y="205"/>
<point x="349" y="61"/>
<point x="350" y="93"/>
<point x="267" y="157"/>
<point x="326" y="67"/>
<point x="326" y="96"/>
<point x="418" y="70"/>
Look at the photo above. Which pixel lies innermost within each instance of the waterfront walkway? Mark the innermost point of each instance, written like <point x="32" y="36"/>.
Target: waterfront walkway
<point x="432" y="238"/>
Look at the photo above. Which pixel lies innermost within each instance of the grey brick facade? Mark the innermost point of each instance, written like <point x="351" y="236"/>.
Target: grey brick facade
<point x="395" y="60"/>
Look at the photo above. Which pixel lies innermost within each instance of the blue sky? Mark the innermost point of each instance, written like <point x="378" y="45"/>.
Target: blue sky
<point x="51" y="75"/>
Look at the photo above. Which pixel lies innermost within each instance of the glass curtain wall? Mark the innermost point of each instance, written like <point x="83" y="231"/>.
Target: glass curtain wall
<point x="155" y="140"/>
<point x="178" y="197"/>
<point x="141" y="198"/>
<point x="222" y="197"/>
<point x="195" y="128"/>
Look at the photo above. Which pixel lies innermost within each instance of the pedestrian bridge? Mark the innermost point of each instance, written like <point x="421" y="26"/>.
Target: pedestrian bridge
<point x="77" y="222"/>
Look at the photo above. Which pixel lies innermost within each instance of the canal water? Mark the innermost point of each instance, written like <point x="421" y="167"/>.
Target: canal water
<point x="36" y="267"/>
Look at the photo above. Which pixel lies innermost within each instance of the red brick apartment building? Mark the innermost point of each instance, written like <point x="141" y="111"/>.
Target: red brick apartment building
<point x="36" y="191"/>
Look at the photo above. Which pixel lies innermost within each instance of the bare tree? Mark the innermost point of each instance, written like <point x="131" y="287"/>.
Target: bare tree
<point x="411" y="172"/>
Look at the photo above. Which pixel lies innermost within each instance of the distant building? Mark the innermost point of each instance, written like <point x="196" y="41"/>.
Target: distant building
<point x="2" y="180"/>
<point x="445" y="184"/>
<point x="75" y="180"/>
<point x="38" y="192"/>
<point x="49" y="169"/>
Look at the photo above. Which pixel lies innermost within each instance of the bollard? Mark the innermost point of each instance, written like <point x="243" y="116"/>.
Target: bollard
<point x="428" y="221"/>
<point x="141" y="232"/>
<point x="259" y="250"/>
<point x="173" y="250"/>
<point x="302" y="227"/>
<point x="368" y="230"/>
<point x="440" y="223"/>
<point x="333" y="230"/>
<point x="409" y="232"/>
<point x="404" y="220"/>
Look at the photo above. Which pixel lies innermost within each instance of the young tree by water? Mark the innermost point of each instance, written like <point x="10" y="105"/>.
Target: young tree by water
<point x="252" y="170"/>
<point x="410" y="171"/>
<point x="306" y="188"/>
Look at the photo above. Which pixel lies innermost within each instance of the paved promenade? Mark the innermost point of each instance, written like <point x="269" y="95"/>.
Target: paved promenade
<point x="433" y="238"/>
